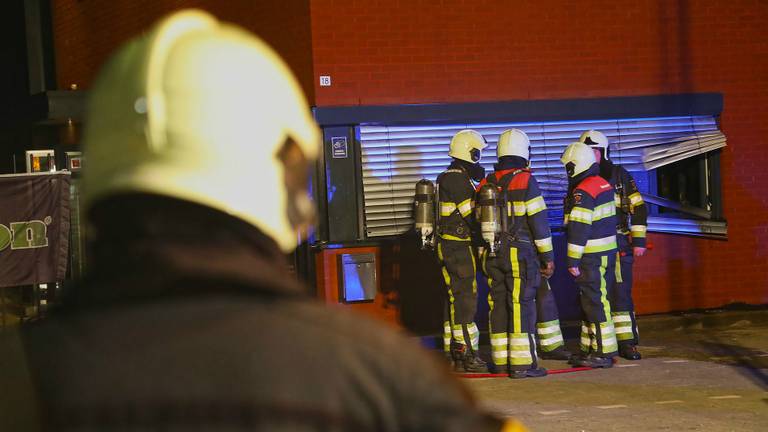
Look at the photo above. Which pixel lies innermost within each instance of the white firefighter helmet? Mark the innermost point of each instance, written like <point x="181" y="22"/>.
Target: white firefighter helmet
<point x="467" y="145"/>
<point x="577" y="158"/>
<point x="513" y="142"/>
<point x="202" y="111"/>
<point x="596" y="139"/>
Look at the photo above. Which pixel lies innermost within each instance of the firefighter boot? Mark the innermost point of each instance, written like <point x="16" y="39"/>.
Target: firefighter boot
<point x="629" y="352"/>
<point x="559" y="353"/>
<point x="466" y="360"/>
<point x="592" y="361"/>
<point x="528" y="373"/>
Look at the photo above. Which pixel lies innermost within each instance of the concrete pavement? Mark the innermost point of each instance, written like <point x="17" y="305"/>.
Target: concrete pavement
<point x="701" y="371"/>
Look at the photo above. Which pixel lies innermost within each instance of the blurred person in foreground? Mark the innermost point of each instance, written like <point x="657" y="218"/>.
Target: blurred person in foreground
<point x="199" y="143"/>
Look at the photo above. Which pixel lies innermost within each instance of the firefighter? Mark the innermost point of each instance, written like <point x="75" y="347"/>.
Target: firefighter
<point x="590" y="220"/>
<point x="525" y="254"/>
<point x="199" y="142"/>
<point x="455" y="249"/>
<point x="632" y="215"/>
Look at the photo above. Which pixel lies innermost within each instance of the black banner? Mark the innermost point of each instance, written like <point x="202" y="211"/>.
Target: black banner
<point x="34" y="228"/>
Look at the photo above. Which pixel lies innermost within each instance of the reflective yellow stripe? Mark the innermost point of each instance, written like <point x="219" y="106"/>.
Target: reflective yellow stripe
<point x="618" y="268"/>
<point x="608" y="336"/>
<point x="535" y="205"/>
<point x="519" y="208"/>
<point x="600" y="245"/>
<point x="447" y="208"/>
<point x="516" y="318"/>
<point x="465" y="207"/>
<point x="447" y="278"/>
<point x="604" y="288"/>
<point x="603" y="211"/>
<point x="519" y="349"/>
<point x="544" y="245"/>
<point x="636" y="199"/>
<point x="638" y="231"/>
<point x="575" y="251"/>
<point x="565" y="219"/>
<point x="580" y="214"/>
<point x="454" y="238"/>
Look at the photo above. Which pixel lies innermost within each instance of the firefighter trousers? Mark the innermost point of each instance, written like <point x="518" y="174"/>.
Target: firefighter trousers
<point x="513" y="279"/>
<point x="597" y="332"/>
<point x="547" y="319"/>
<point x="622" y="306"/>
<point x="458" y="267"/>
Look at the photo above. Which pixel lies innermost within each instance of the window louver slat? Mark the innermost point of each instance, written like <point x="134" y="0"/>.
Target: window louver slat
<point x="394" y="158"/>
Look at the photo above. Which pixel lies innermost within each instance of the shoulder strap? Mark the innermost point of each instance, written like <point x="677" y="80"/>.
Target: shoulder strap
<point x="507" y="178"/>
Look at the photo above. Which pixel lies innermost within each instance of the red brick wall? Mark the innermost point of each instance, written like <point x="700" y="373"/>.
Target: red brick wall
<point x="420" y="51"/>
<point x="87" y="31"/>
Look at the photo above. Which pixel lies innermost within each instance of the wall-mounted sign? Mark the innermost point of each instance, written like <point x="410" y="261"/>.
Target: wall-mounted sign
<point x="339" y="147"/>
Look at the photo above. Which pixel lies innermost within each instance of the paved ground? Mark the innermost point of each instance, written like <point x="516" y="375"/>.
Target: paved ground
<point x="704" y="372"/>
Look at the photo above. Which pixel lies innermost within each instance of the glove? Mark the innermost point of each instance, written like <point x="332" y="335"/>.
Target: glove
<point x="547" y="269"/>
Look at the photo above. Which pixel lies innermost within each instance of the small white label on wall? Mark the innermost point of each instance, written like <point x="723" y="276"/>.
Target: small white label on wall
<point x="325" y="80"/>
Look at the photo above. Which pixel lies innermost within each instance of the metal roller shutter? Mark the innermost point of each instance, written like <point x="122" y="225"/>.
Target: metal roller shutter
<point x="394" y="158"/>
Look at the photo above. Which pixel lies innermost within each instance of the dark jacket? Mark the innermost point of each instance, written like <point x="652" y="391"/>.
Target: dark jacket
<point x="456" y="194"/>
<point x="590" y="217"/>
<point x="526" y="204"/>
<point x="631" y="211"/>
<point x="190" y="320"/>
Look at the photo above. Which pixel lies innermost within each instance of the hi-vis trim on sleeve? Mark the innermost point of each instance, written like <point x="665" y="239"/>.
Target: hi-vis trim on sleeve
<point x="566" y="218"/>
<point x="638" y="231"/>
<point x="447" y="208"/>
<point x="575" y="251"/>
<point x="535" y="205"/>
<point x="600" y="245"/>
<point x="519" y="207"/>
<point x="580" y="214"/>
<point x="603" y="211"/>
<point x="636" y="199"/>
<point x="465" y="207"/>
<point x="544" y="245"/>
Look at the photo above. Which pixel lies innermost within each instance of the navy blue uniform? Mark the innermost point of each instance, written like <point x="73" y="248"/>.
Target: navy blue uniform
<point x="590" y="217"/>
<point x="513" y="275"/>
<point x="632" y="214"/>
<point x="454" y="249"/>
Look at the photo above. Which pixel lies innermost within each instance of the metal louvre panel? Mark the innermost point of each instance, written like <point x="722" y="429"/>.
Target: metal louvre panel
<point x="394" y="158"/>
<point x="687" y="226"/>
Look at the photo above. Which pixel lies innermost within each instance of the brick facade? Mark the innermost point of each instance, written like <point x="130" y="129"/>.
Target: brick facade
<point x="393" y="52"/>
<point x="87" y="31"/>
<point x="422" y="51"/>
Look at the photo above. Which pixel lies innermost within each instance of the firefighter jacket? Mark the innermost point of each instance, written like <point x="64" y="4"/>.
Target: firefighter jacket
<point x="631" y="211"/>
<point x="590" y="217"/>
<point x="525" y="207"/>
<point x="189" y="319"/>
<point x="456" y="195"/>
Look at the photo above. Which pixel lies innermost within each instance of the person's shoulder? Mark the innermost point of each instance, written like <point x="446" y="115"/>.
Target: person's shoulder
<point x="520" y="180"/>
<point x="594" y="186"/>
